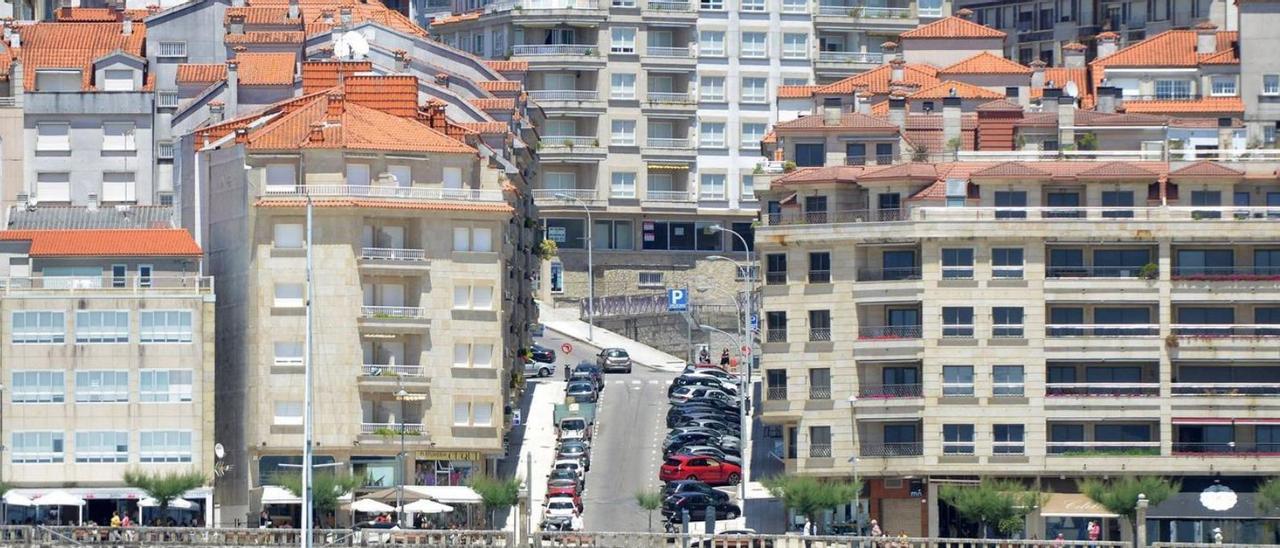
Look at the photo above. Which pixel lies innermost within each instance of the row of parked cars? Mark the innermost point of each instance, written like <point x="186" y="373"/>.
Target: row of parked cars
<point x="703" y="447"/>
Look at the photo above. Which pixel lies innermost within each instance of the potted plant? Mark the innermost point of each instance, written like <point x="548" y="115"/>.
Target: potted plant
<point x="1171" y="340"/>
<point x="1150" y="271"/>
<point x="788" y="166"/>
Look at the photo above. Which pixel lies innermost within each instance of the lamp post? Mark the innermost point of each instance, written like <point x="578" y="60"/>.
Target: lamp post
<point x="402" y="396"/>
<point x="308" y="497"/>
<point x="743" y="427"/>
<point x="591" y="277"/>
<point x="853" y="462"/>
<point x="747" y="281"/>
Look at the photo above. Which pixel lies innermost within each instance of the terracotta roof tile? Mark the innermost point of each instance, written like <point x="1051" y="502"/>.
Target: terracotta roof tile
<point x="1000" y="105"/>
<point x="321" y="75"/>
<point x="936" y="190"/>
<point x="265" y="37"/>
<point x="502" y="103"/>
<point x="796" y="92"/>
<point x="910" y="170"/>
<point x="97" y="15"/>
<point x="1010" y="170"/>
<point x="963" y="90"/>
<point x="1205" y="168"/>
<point x="263" y="15"/>
<point x="107" y="243"/>
<point x="770" y="138"/>
<point x="986" y="63"/>
<point x="202" y="73"/>
<point x="451" y="19"/>
<point x="388" y="204"/>
<point x="508" y="66"/>
<point x="1095" y="118"/>
<point x="267" y="69"/>
<point x="953" y="27"/>
<point x="500" y="85"/>
<point x="1205" y="105"/>
<point x="1119" y="170"/>
<point x="876" y="80"/>
<point x="74" y="46"/>
<point x="352" y="126"/>
<point x="394" y="94"/>
<point x="848" y="120"/>
<point x="1173" y="48"/>
<point x="829" y="174"/>
<point x="487" y="128"/>
<point x="1060" y="76"/>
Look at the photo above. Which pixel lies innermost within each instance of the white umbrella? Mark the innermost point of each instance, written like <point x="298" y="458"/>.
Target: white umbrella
<point x="182" y="504"/>
<point x="370" y="506"/>
<point x="426" y="506"/>
<point x="58" y="498"/>
<point x="15" y="499"/>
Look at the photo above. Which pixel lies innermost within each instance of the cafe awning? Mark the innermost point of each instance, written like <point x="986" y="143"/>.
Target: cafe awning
<point x="1216" y="502"/>
<point x="1073" y="505"/>
<point x="447" y="494"/>
<point x="668" y="167"/>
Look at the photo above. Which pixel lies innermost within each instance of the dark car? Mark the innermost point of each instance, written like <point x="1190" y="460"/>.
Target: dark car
<point x="676" y="418"/>
<point x="614" y="359"/>
<point x="593" y="370"/>
<point x="574" y="449"/>
<point x="703" y="408"/>
<point x="582" y="392"/>
<point x="676" y="440"/>
<point x="699" y="430"/>
<point x="560" y="475"/>
<point x="542" y="354"/>
<point x="696" y="504"/>
<point x="722" y="426"/>
<point x="709" y="451"/>
<point x="692" y="486"/>
<point x="700" y="380"/>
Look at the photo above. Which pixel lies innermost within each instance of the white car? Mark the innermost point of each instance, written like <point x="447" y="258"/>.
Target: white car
<point x="573" y="465"/>
<point x="560" y="507"/>
<point x="727" y="378"/>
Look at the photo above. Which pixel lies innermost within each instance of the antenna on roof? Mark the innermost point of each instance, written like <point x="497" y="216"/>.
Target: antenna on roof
<point x="350" y="45"/>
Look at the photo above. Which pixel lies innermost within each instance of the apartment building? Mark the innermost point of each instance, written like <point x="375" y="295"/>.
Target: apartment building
<point x="421" y="260"/>
<point x="1039" y="320"/>
<point x="108" y="365"/>
<point x="1259" y="70"/>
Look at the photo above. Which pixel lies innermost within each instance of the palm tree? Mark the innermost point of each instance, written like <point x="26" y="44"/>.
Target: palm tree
<point x="1003" y="503"/>
<point x="649" y="500"/>
<point x="326" y="488"/>
<point x="1268" y="501"/>
<point x="1120" y="496"/>
<point x="496" y="493"/>
<point x="809" y="496"/>
<point x="164" y="488"/>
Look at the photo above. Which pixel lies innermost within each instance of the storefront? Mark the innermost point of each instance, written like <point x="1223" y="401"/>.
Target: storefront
<point x="99" y="503"/>
<point x="447" y="467"/>
<point x="1070" y="514"/>
<point x="1193" y="515"/>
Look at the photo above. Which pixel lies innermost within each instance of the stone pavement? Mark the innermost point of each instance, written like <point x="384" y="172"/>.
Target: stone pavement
<point x="539" y="444"/>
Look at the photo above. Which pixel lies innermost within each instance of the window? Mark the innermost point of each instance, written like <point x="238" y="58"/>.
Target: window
<point x="795" y="46"/>
<point x="287" y="235"/>
<point x="280" y="178"/>
<point x="37" y="387"/>
<point x="461" y="413"/>
<point x="288" y="353"/>
<point x="53" y="186"/>
<point x="820" y="441"/>
<point x="622" y="40"/>
<point x="1007" y="439"/>
<point x="810" y="154"/>
<point x="36" y="448"/>
<point x="118" y="136"/>
<point x="38" y="327"/>
<point x="820" y="326"/>
<point x="775" y="272"/>
<point x="108" y="446"/>
<point x="650" y="279"/>
<point x="622" y="86"/>
<point x="567" y="233"/>
<point x="1207" y="198"/>
<point x="1006" y="322"/>
<point x="751" y="5"/>
<point x="711" y="42"/>
<point x="1224" y="85"/>
<point x="1007" y="381"/>
<point x="777" y="325"/>
<point x="623" y="133"/>
<point x="748" y="192"/>
<point x="466" y="297"/>
<point x="1271" y="84"/>
<point x="102" y="326"/>
<point x="473" y="239"/>
<point x="164" y="385"/>
<point x="118" y="187"/>
<point x="1006" y="263"/>
<point x="957" y="264"/>
<point x="117" y="80"/>
<point x="58" y="80"/>
<point x="752" y="133"/>
<point x="105" y="386"/>
<point x="957" y="439"/>
<point x="820" y="267"/>
<point x="165" y="326"/>
<point x="1173" y="89"/>
<point x="716" y="5"/>
<point x="118" y="275"/>
<point x="711" y="88"/>
<point x="288" y="296"/>
<point x="483" y="414"/>
<point x="712" y="186"/>
<point x="623" y="184"/>
<point x="754" y="90"/>
<point x="172" y="49"/>
<point x="957" y="380"/>
<point x="53" y="137"/>
<point x="1117" y="199"/>
<point x="957" y="321"/>
<point x="165" y="446"/>
<point x="754" y="45"/>
<point x="288" y="413"/>
<point x="1012" y="199"/>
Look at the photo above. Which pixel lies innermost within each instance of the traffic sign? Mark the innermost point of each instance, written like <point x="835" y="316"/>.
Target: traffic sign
<point x="566" y="348"/>
<point x="677" y="300"/>
<point x="755" y="323"/>
<point x="746" y="350"/>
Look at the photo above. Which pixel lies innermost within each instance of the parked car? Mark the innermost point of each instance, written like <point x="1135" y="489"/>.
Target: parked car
<point x="575" y="449"/>
<point x="574" y="428"/>
<point x="696" y="504"/>
<point x="614" y="359"/>
<point x="576" y="500"/>
<point x="676" y="417"/>
<point x="558" y="475"/>
<point x="708" y="469"/>
<point x="691" y="486"/>
<point x="542" y="354"/>
<point x="581" y="392"/>
<point x="701" y="380"/>
<point x="675" y="441"/>
<point x="574" y="465"/>
<point x="560" y="507"/>
<point x="539" y="370"/>
<point x="563" y="486"/>
<point x="594" y="370"/>
<point x="698" y="393"/>
<point x="719" y="425"/>
<point x="717" y="373"/>
<point x="709" y="451"/>
<point x="717" y="409"/>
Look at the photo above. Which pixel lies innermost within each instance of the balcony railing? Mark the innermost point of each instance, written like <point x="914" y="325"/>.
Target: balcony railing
<point x="668" y="196"/>
<point x="379" y="370"/>
<point x="1038" y="214"/>
<point x="392" y="254"/>
<point x="1096" y="389"/>
<point x="775" y="393"/>
<point x="112" y="284"/>
<point x="548" y="194"/>
<point x="888" y="332"/>
<point x="667" y="51"/>
<point x="776" y="335"/>
<point x="1101" y="330"/>
<point x="820" y="334"/>
<point x="1226" y="273"/>
<point x="564" y="95"/>
<point x="905" y="449"/>
<point x="671" y="97"/>
<point x="820" y="450"/>
<point x="888" y="274"/>
<point x="863" y="57"/>
<point x="775" y="278"/>
<point x="868" y="12"/>
<point x="554" y="49"/>
<point x="1055" y="271"/>
<point x="890" y="391"/>
<point x="670" y="6"/>
<point x="410" y="428"/>
<point x="819" y="276"/>
<point x="1245" y="448"/>
<point x="1008" y="389"/>
<point x="1225" y="389"/>
<point x="1221" y="331"/>
<point x="569" y="141"/>
<point x="669" y="143"/>
<point x="383" y="192"/>
<point x="393" y="312"/>
<point x="820" y="392"/>
<point x="560" y="4"/>
<point x="1102" y="448"/>
<point x="929" y="12"/>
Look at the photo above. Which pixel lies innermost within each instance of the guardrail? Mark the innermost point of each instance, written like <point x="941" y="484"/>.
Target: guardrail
<point x="669" y="143"/>
<point x="888" y="274"/>
<point x="1226" y="331"/>
<point x="888" y="332"/>
<point x="560" y="4"/>
<point x="1102" y="448"/>
<point x="863" y="12"/>
<point x="667" y="51"/>
<point x="1241" y="448"/>
<point x="409" y="428"/>
<point x="1029" y="214"/>
<point x="1094" y="389"/>
<point x="577" y="539"/>
<point x="669" y="6"/>
<point x="564" y="95"/>
<point x="553" y="49"/>
<point x="670" y="97"/>
<point x="393" y="254"/>
<point x="1075" y="271"/>
<point x="569" y="141"/>
<point x="380" y="370"/>
<point x="906" y="449"/>
<point x="866" y="57"/>
<point x="1101" y="330"/>
<point x="393" y="312"/>
<point x="108" y="284"/>
<point x="1226" y="273"/>
<point x="382" y="192"/>
<point x="1225" y="389"/>
<point x="584" y="194"/>
<point x="775" y="393"/>
<point x="668" y="196"/>
<point x="890" y="391"/>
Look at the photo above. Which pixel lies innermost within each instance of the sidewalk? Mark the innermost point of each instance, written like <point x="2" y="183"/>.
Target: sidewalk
<point x="540" y="444"/>
<point x="565" y="322"/>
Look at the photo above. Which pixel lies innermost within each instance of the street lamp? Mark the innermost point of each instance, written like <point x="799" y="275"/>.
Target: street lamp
<point x="853" y="462"/>
<point x="308" y="497"/>
<point x="402" y="396"/>
<point x="743" y="427"/>
<point x="591" y="278"/>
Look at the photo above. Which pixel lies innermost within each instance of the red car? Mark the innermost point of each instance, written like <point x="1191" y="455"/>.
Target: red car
<point x="565" y="491"/>
<point x="699" y="467"/>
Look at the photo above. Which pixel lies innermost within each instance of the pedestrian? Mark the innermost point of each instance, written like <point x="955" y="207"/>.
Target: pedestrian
<point x="1217" y="535"/>
<point x="808" y="527"/>
<point x="1059" y="540"/>
<point x="1095" y="531"/>
<point x="264" y="520"/>
<point x="876" y="531"/>
<point x="724" y="358"/>
<point x="567" y="372"/>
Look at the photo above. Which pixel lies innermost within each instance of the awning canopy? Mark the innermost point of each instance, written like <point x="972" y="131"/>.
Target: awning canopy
<point x="17" y="499"/>
<point x="181" y="504"/>
<point x="448" y="494"/>
<point x="426" y="506"/>
<point x="1217" y="502"/>
<point x="58" y="498"/>
<point x="1073" y="505"/>
<point x="668" y="167"/>
<point x="370" y="506"/>
<point x="278" y="495"/>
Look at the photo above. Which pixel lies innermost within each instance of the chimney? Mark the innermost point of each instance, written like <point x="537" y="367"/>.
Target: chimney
<point x="7" y="31"/>
<point x="950" y="120"/>
<point x="237" y="3"/>
<point x="1037" y="74"/>
<point x="242" y="135"/>
<point x="402" y="61"/>
<point x="233" y="86"/>
<point x="16" y="82"/>
<point x="1073" y="55"/>
<point x="93" y="202"/>
<point x="294" y="11"/>
<point x="1106" y="101"/>
<point x="217" y="110"/>
<point x="435" y="115"/>
<point x="317" y="132"/>
<point x="898" y="111"/>
<point x="1066" y="119"/>
<point x="889" y="48"/>
<point x="126" y="26"/>
<point x="336" y="106"/>
<point x="15" y="38"/>
<point x="24" y="199"/>
<point x="1206" y="38"/>
<point x="896" y="70"/>
<point x="1108" y="43"/>
<point x="964" y="13"/>
<point x="326" y="16"/>
<point x="235" y="24"/>
<point x="344" y="13"/>
<point x="1226" y="133"/>
<point x="831" y="111"/>
<point x="864" y="102"/>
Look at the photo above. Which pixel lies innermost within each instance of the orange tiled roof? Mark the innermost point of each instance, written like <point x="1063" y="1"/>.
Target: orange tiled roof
<point x="450" y="19"/>
<point x="986" y="63"/>
<point x="1204" y="105"/>
<point x="508" y="66"/>
<point x="265" y="37"/>
<point x="1205" y="168"/>
<point x="348" y="125"/>
<point x="1060" y="76"/>
<point x="267" y="69"/>
<point x="876" y="80"/>
<point x="485" y="127"/>
<point x="953" y="27"/>
<point x="1010" y="170"/>
<point x="999" y="105"/>
<point x="107" y="243"/>
<point x="796" y="92"/>
<point x="848" y="120"/>
<point x="202" y="73"/>
<point x="74" y="46"/>
<point x="321" y="75"/>
<point x="1173" y="48"/>
<point x="963" y="90"/>
<point x="1116" y="170"/>
<point x="770" y="138"/>
<point x="388" y="204"/>
<point x="395" y="94"/>
<point x="98" y="15"/>
<point x="828" y="174"/>
<point x="499" y="85"/>
<point x="502" y="103"/>
<point x="263" y="15"/>
<point x="910" y="170"/>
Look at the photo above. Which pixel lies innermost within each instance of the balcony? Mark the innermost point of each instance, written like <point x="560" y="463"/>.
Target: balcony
<point x="296" y="193"/>
<point x="1036" y="214"/>
<point x="889" y="391"/>
<point x="820" y="334"/>
<point x="820" y="450"/>
<point x="1217" y="341"/>
<point x="571" y="99"/>
<point x="18" y="287"/>
<point x="662" y="10"/>
<point x="394" y="260"/>
<point x="1101" y="390"/>
<point x="551" y="196"/>
<point x="775" y="393"/>
<point x="669" y="143"/>
<point x="846" y="63"/>
<point x="820" y="392"/>
<point x="889" y="332"/>
<point x="778" y="335"/>
<point x="1102" y="448"/>
<point x="1101" y="330"/>
<point x="395" y="319"/>
<point x="576" y="147"/>
<point x="390" y="433"/>
<point x="1226" y="449"/>
<point x="669" y="196"/>
<point x="1231" y="390"/>
<point x="891" y="450"/>
<point x="563" y="11"/>
<point x="863" y="12"/>
<point x="1080" y="271"/>
<point x="667" y="56"/>
<point x="391" y="378"/>
<point x="670" y="102"/>
<point x="531" y="50"/>
<point x="906" y="273"/>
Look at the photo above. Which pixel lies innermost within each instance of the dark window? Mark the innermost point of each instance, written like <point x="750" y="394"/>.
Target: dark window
<point x="1007" y="321"/>
<point x="1208" y="198"/>
<point x="855" y="154"/>
<point x="774" y="210"/>
<point x="900" y="433"/>
<point x="957" y="263"/>
<point x="903" y="317"/>
<point x="1064" y="205"/>
<point x="656" y="236"/>
<point x="709" y="240"/>
<point x="777" y="324"/>
<point x="1068" y="434"/>
<point x="889" y="205"/>
<point x="900" y="375"/>
<point x="1066" y="263"/>
<point x="748" y="232"/>
<point x="819" y="267"/>
<point x="1119" y="263"/>
<point x="1007" y="380"/>
<point x="1012" y="199"/>
<point x="1008" y="439"/>
<point x="927" y="106"/>
<point x="682" y="236"/>
<point x="1065" y="316"/>
<point x="811" y="155"/>
<point x="957" y="321"/>
<point x="1266" y="262"/>
<point x="775" y="268"/>
<point x="1006" y="262"/>
<point x="1197" y="316"/>
<point x="1121" y="316"/>
<point x="901" y="265"/>
<point x="957" y="380"/>
<point x="567" y="233"/>
<point x="1061" y="374"/>
<point x="957" y="439"/>
<point x="1122" y="432"/>
<point x="884" y="153"/>
<point x="1011" y="92"/>
<point x="815" y="209"/>
<point x="1118" y="199"/>
<point x="1110" y="374"/>
<point x="1200" y="262"/>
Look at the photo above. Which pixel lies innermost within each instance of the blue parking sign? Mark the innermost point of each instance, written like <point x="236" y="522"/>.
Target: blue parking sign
<point x="677" y="300"/>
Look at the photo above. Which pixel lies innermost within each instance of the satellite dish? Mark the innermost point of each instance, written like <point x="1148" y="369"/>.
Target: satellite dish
<point x="341" y="49"/>
<point x="351" y="45"/>
<point x="1071" y="89"/>
<point x="219" y="451"/>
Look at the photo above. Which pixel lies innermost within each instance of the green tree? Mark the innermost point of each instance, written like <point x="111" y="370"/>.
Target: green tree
<point x="164" y="487"/>
<point x="1120" y="495"/>
<point x="326" y="488"/>
<point x="649" y="500"/>
<point x="4" y="507"/>
<point x="496" y="493"/>
<point x="809" y="496"/>
<point x="1268" y="501"/>
<point x="1002" y="503"/>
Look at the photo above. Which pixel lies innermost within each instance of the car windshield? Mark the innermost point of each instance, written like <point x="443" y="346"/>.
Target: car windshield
<point x="561" y="505"/>
<point x="579" y="387"/>
<point x="617" y="353"/>
<point x="573" y="424"/>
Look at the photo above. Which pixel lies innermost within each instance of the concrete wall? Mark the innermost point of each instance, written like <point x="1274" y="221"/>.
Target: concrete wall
<point x="86" y="161"/>
<point x="1258" y="42"/>
<point x="12" y="154"/>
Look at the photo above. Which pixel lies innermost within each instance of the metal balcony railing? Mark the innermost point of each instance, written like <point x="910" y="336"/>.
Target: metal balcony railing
<point x="819" y="276"/>
<point x="1243" y="448"/>
<point x="554" y="49"/>
<point x="820" y="392"/>
<point x="569" y="141"/>
<point x="668" y="143"/>
<point x="1102" y="448"/>
<point x="890" y="391"/>
<point x="957" y="389"/>
<point x="108" y="284"/>
<point x="1101" y="330"/>
<point x="1074" y="271"/>
<point x="410" y="428"/>
<point x="775" y="393"/>
<point x="552" y="194"/>
<point x="820" y="334"/>
<point x="564" y="95"/>
<point x="888" y="274"/>
<point x="775" y="278"/>
<point x="669" y="6"/>
<point x="1094" y="389"/>
<point x="1226" y="331"/>
<point x="380" y="370"/>
<point x="393" y="254"/>
<point x="903" y="449"/>
<point x="867" y="12"/>
<point x="1008" y="389"/>
<point x="888" y="332"/>
<point x="1226" y="273"/>
<point x="820" y="450"/>
<point x="776" y="335"/>
<point x="1225" y="389"/>
<point x="383" y="192"/>
<point x="667" y="52"/>
<point x="560" y="4"/>
<point x="668" y="196"/>
<point x="393" y="312"/>
<point x="670" y="97"/>
<point x="863" y="57"/>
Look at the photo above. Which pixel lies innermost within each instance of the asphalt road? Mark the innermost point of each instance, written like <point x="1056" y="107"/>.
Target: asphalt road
<point x="626" y="451"/>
